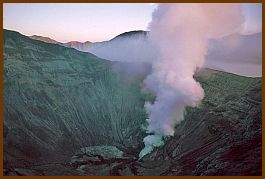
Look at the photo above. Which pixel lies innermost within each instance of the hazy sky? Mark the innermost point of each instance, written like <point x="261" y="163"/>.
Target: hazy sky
<point x="94" y="22"/>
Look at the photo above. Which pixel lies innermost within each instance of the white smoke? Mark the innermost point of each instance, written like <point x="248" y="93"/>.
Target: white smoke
<point x="180" y="33"/>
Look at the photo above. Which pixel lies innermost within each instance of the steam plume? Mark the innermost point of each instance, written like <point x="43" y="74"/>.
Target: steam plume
<point x="180" y="33"/>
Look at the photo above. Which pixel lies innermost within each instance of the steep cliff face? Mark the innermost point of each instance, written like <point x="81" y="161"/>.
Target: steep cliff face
<point x="220" y="137"/>
<point x="71" y="113"/>
<point x="58" y="99"/>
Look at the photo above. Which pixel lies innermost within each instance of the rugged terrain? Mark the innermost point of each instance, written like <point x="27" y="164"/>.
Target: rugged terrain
<point x="68" y="112"/>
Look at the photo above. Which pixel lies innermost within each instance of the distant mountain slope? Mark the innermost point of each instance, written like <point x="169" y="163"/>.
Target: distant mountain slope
<point x="133" y="46"/>
<point x="81" y="46"/>
<point x="44" y="39"/>
<point x="123" y="47"/>
<point x="240" y="54"/>
<point x="238" y="48"/>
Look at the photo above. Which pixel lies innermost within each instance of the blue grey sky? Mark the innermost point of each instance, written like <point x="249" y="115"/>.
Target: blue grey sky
<point x="94" y="22"/>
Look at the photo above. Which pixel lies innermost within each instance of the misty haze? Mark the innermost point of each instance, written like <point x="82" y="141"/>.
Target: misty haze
<point x="132" y="89"/>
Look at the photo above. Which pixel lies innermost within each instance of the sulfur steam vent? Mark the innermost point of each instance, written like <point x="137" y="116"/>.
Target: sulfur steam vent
<point x="180" y="34"/>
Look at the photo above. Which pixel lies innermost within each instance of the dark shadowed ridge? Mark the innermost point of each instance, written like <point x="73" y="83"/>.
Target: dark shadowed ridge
<point x="131" y="34"/>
